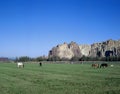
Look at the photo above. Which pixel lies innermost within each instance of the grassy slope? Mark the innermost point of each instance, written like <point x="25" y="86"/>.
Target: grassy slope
<point x="59" y="79"/>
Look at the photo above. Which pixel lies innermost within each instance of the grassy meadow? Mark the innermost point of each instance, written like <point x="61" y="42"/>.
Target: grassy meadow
<point x="59" y="79"/>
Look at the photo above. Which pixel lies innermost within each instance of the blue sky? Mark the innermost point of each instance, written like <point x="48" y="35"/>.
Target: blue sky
<point x="33" y="27"/>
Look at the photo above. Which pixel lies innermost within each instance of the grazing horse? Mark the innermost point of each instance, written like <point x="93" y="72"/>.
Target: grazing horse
<point x="20" y="64"/>
<point x="40" y="64"/>
<point x="104" y="65"/>
<point x="95" y="65"/>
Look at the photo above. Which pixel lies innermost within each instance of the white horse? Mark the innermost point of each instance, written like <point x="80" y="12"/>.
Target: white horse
<point x="20" y="64"/>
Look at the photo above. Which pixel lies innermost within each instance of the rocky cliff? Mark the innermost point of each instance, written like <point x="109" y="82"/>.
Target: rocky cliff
<point x="102" y="49"/>
<point x="66" y="51"/>
<point x="106" y="48"/>
<point x="85" y="49"/>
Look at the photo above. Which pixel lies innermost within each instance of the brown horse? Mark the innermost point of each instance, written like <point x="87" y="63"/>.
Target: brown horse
<point x="95" y="65"/>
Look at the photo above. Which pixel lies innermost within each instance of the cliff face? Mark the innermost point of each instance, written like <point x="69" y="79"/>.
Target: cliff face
<point x="65" y="51"/>
<point x="103" y="49"/>
<point x="85" y="49"/>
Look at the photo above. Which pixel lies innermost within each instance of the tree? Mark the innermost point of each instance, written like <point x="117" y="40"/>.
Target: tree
<point x="75" y="58"/>
<point x="54" y="58"/>
<point x="24" y="59"/>
<point x="39" y="59"/>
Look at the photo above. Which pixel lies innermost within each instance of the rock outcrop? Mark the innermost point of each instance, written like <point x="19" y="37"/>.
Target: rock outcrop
<point x="85" y="49"/>
<point x="102" y="49"/>
<point x="65" y="50"/>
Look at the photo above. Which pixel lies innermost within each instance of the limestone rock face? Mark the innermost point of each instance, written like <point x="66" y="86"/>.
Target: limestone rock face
<point x="65" y="50"/>
<point x="102" y="49"/>
<point x="85" y="49"/>
<point x="118" y="51"/>
<point x="75" y="49"/>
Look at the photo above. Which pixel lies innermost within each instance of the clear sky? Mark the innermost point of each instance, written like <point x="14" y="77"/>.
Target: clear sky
<point x="33" y="27"/>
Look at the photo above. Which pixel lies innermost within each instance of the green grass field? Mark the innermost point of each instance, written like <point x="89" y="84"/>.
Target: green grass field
<point x="59" y="79"/>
